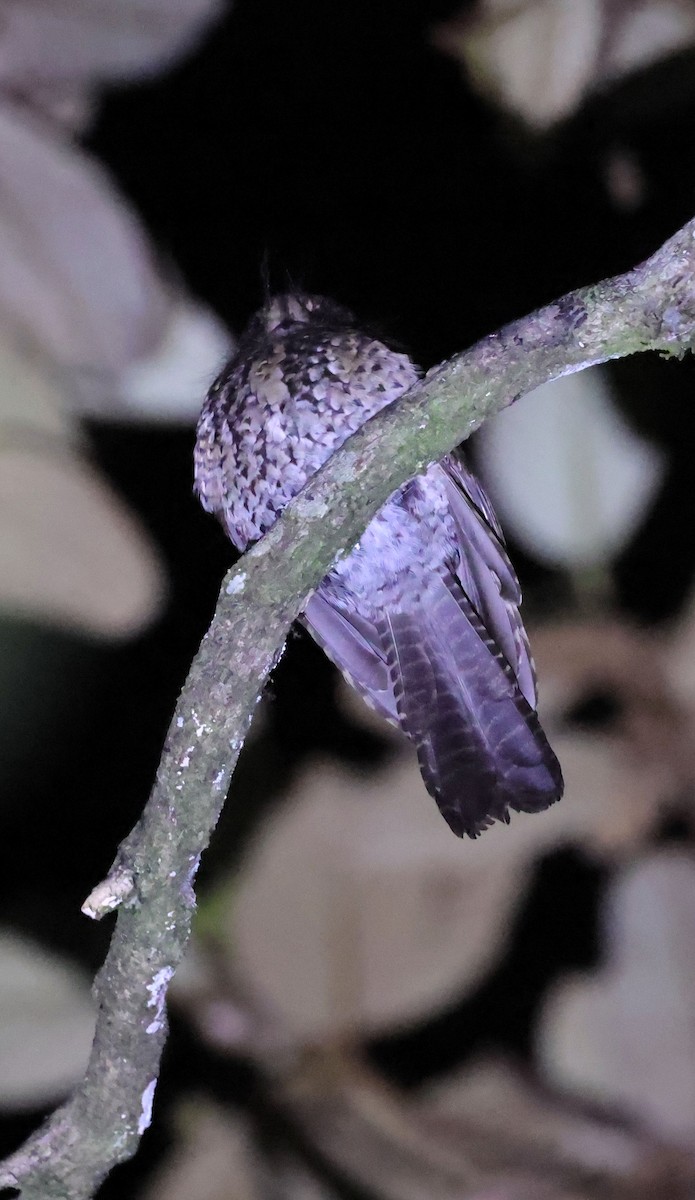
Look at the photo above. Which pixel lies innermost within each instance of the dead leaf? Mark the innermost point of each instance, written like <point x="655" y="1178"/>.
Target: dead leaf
<point x="488" y="1134"/>
<point x="169" y="382"/>
<point x="356" y="909"/>
<point x="70" y="552"/>
<point x="46" y="1024"/>
<point x="44" y="41"/>
<point x="509" y="1123"/>
<point x="570" y="480"/>
<point x="78" y="280"/>
<point x="624" y="1035"/>
<point x="535" y="58"/>
<point x="540" y="58"/>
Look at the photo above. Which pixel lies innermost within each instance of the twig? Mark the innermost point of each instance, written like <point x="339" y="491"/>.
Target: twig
<point x="651" y="307"/>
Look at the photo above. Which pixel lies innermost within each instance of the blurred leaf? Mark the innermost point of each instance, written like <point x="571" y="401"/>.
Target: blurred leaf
<point x="357" y="910"/>
<point x="84" y="40"/>
<point x="487" y="1135"/>
<point x="619" y="777"/>
<point x="679" y="656"/>
<point x="569" y="478"/>
<point x="70" y="552"/>
<point x="213" y="1158"/>
<point x="80" y="285"/>
<point x="168" y="383"/>
<point x="540" y="58"/>
<point x="78" y="280"/>
<point x="647" y="30"/>
<point x="46" y="1024"/>
<point x="626" y="1035"/>
<point x="32" y="406"/>
<point x="510" y="1123"/>
<point x="625" y="180"/>
<point x="536" y="58"/>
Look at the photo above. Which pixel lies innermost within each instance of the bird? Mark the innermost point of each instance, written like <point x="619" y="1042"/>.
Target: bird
<point x="422" y="615"/>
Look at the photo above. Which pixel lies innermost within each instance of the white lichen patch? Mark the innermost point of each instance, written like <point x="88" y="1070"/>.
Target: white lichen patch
<point x="308" y="508"/>
<point x="180" y="722"/>
<point x="201" y="727"/>
<point x="146" y="1102"/>
<point x="218" y="781"/>
<point x="186" y="760"/>
<point x="158" y="995"/>
<point x="344" y="467"/>
<point x="236" y="584"/>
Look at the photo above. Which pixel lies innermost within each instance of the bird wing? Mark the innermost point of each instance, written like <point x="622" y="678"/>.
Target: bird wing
<point x="353" y="645"/>
<point x="449" y="662"/>
<point x="479" y="743"/>
<point x="485" y="571"/>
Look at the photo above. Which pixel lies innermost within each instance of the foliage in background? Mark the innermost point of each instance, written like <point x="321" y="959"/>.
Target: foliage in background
<point x="305" y="948"/>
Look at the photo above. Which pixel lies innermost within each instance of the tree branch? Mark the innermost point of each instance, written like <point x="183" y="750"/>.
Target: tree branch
<point x="650" y="308"/>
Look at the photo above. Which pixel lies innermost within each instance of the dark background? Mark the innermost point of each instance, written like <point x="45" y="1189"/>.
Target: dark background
<point x="328" y="146"/>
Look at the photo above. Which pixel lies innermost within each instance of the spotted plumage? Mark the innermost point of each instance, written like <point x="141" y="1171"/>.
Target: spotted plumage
<point x="422" y="616"/>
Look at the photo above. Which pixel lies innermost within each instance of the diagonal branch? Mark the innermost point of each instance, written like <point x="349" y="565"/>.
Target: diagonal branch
<point x="650" y="308"/>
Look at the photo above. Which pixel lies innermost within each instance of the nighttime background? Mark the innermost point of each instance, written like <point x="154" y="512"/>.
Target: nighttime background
<point x="343" y="148"/>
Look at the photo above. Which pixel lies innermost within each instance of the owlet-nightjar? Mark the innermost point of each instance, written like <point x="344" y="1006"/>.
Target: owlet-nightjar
<point x="422" y="617"/>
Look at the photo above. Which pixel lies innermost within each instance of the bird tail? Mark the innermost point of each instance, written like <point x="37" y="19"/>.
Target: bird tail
<point x="430" y="666"/>
<point x="479" y="743"/>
